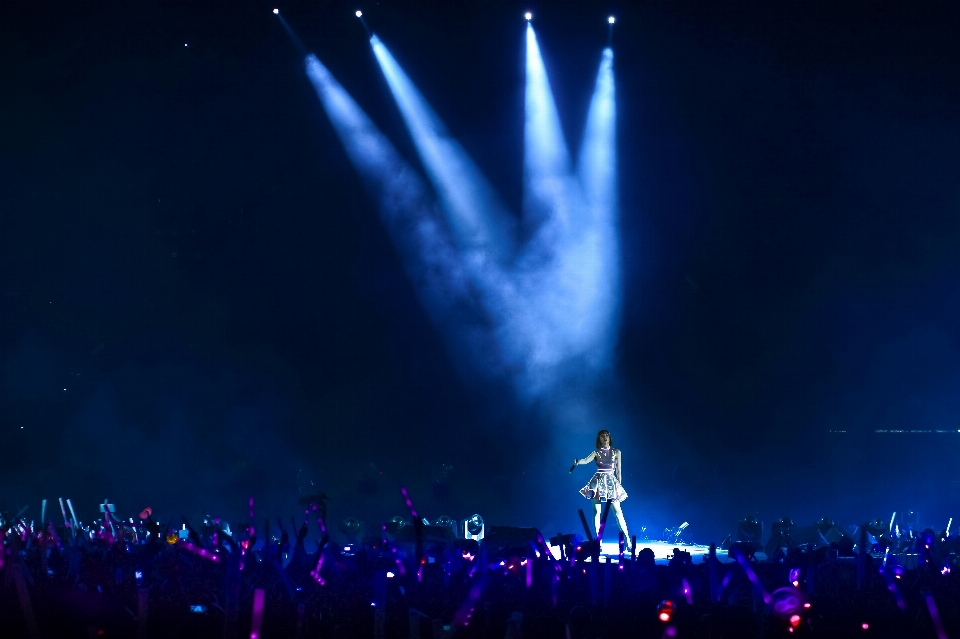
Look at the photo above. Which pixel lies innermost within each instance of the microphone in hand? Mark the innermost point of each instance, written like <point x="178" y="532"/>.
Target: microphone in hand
<point x="575" y="463"/>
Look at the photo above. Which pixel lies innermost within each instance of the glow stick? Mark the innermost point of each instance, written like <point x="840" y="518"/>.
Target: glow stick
<point x="203" y="552"/>
<point x="63" y="511"/>
<point x="462" y="616"/>
<point x="891" y="520"/>
<point x="935" y="616"/>
<point x="948" y="526"/>
<point x="752" y="576"/>
<point x="406" y="498"/>
<point x="73" y="514"/>
<point x="257" y="619"/>
<point x="43" y="513"/>
<point x="892" y="587"/>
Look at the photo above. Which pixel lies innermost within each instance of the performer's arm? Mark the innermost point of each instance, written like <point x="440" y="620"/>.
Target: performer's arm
<point x="619" y="467"/>
<point x="589" y="458"/>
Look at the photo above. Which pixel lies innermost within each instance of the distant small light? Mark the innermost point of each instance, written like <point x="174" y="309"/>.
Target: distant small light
<point x="389" y="575"/>
<point x="611" y="19"/>
<point x="276" y="12"/>
<point x="528" y="15"/>
<point x="185" y="44"/>
<point x="359" y="14"/>
<point x="865" y="626"/>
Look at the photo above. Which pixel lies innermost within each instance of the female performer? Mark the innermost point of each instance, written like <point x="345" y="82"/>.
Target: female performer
<point x="605" y="486"/>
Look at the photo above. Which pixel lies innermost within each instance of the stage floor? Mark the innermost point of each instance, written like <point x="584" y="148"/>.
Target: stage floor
<point x="662" y="550"/>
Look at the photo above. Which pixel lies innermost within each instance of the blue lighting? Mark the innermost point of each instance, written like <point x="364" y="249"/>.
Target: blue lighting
<point x="410" y="216"/>
<point x="474" y="211"/>
<point x="571" y="265"/>
<point x="546" y="157"/>
<point x="546" y="313"/>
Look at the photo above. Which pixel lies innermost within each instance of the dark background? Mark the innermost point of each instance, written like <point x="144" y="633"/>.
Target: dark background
<point x="199" y="302"/>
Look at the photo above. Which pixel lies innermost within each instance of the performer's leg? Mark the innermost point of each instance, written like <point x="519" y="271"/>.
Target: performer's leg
<point x="620" y="520"/>
<point x="596" y="515"/>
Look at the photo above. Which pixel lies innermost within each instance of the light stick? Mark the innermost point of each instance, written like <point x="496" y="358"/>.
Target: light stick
<point x="73" y="514"/>
<point x="257" y="621"/>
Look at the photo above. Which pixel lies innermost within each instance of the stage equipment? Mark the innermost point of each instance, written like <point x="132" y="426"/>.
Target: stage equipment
<point x="611" y="20"/>
<point x="443" y="520"/>
<point x="394" y="525"/>
<point x="829" y="530"/>
<point x="746" y="539"/>
<point x="472" y="528"/>
<point x="673" y="535"/>
<point x="359" y="14"/>
<point x="749" y="529"/>
<point x="276" y="12"/>
<point x="352" y="528"/>
<point x="781" y="536"/>
<point x="565" y="543"/>
<point x="528" y="16"/>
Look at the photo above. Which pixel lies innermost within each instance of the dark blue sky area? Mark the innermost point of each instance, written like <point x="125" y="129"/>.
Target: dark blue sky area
<point x="199" y="301"/>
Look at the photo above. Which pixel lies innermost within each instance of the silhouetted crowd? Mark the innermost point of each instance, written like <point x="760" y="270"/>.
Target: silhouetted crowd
<point x="137" y="577"/>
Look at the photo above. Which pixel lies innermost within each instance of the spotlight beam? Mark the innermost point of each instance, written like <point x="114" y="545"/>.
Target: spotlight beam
<point x="546" y="156"/>
<point x="597" y="161"/>
<point x="413" y="221"/>
<point x="548" y="318"/>
<point x="301" y="50"/>
<point x="569" y="268"/>
<point x="597" y="175"/>
<point x="478" y="219"/>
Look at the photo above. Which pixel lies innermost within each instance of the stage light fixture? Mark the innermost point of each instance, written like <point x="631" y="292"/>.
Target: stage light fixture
<point x="359" y="14"/>
<point x="528" y="16"/>
<point x="473" y="528"/>
<point x="394" y="524"/>
<point x="276" y="12"/>
<point x="611" y="20"/>
<point x="351" y="526"/>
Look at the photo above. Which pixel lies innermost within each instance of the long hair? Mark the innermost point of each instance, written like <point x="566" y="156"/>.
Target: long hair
<point x="601" y="434"/>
